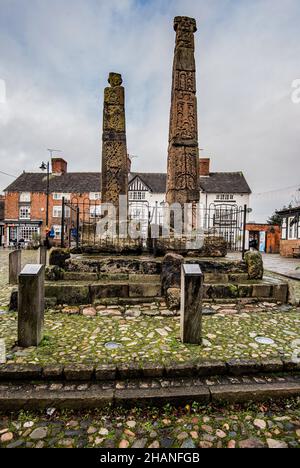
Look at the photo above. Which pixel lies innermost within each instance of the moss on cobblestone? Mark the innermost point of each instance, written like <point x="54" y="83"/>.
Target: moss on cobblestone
<point x="69" y="339"/>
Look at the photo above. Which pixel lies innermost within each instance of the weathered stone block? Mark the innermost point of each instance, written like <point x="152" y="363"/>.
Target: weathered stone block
<point x="171" y="271"/>
<point x="129" y="371"/>
<point x="244" y="366"/>
<point x="53" y="372"/>
<point x="173" y="297"/>
<point x="245" y="290"/>
<point x="254" y="262"/>
<point x="280" y="293"/>
<point x="58" y="257"/>
<point x="106" y="372"/>
<point x="105" y="290"/>
<point x="186" y="369"/>
<point x="152" y="370"/>
<point x="261" y="290"/>
<point x="209" y="368"/>
<point x="20" y="372"/>
<point x="144" y="290"/>
<point x="78" y="372"/>
<point x="54" y="273"/>
<point x="68" y="294"/>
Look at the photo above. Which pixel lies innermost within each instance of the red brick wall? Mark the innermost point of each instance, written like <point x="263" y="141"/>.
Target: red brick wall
<point x="38" y="207"/>
<point x="204" y="166"/>
<point x="287" y="246"/>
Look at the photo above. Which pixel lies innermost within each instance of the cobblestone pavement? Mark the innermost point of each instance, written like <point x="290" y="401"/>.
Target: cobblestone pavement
<point x="277" y="264"/>
<point x="78" y="338"/>
<point x="253" y="426"/>
<point x="28" y="256"/>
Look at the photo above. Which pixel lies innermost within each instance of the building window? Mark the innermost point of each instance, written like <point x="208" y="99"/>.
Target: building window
<point x="57" y="211"/>
<point x="95" y="195"/>
<point x="225" y="196"/>
<point x="25" y="197"/>
<point x="24" y="212"/>
<point x="28" y="232"/>
<point x="293" y="228"/>
<point x="60" y="196"/>
<point x="284" y="229"/>
<point x="137" y="195"/>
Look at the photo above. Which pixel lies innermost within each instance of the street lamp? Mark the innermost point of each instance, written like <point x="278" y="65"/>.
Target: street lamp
<point x="46" y="167"/>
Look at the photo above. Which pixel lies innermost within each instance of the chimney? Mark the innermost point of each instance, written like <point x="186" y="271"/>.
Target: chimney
<point x="128" y="164"/>
<point x="59" y="166"/>
<point x="204" y="167"/>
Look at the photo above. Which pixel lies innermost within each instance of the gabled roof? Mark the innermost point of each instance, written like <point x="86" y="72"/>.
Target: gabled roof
<point x="72" y="182"/>
<point x="225" y="182"/>
<point x="157" y="182"/>
<point x="83" y="182"/>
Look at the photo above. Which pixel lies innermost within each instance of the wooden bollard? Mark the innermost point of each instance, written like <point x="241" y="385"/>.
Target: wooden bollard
<point x="14" y="266"/>
<point x="42" y="255"/>
<point x="191" y="304"/>
<point x="31" y="305"/>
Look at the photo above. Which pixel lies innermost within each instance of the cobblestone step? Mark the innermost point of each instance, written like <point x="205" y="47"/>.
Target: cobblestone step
<point x="156" y="392"/>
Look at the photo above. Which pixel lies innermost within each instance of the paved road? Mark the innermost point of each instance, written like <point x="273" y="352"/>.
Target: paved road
<point x="277" y="264"/>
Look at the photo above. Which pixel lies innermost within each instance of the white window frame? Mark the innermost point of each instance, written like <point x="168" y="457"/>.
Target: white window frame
<point x="95" y="196"/>
<point x="284" y="229"/>
<point x="57" y="211"/>
<point x="59" y="196"/>
<point x="26" y="209"/>
<point x="26" y="232"/>
<point x="292" y="230"/>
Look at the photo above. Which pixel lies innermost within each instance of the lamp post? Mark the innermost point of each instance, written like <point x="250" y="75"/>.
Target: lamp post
<point x="46" y="167"/>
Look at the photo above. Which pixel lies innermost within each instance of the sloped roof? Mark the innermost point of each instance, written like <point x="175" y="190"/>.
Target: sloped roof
<point x="157" y="182"/>
<point x="82" y="182"/>
<point x="225" y="182"/>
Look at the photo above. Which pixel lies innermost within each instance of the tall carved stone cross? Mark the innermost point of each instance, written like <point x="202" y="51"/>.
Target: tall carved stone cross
<point x="114" y="147"/>
<point x="183" y="153"/>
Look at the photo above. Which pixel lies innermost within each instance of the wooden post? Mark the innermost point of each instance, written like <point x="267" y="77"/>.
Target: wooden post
<point x="43" y="255"/>
<point x="14" y="266"/>
<point x="31" y="306"/>
<point x="191" y="304"/>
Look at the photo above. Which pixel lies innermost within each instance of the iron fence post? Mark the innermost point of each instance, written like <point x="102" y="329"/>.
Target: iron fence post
<point x="244" y="231"/>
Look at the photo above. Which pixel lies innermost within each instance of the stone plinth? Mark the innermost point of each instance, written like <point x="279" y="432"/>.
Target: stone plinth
<point x="14" y="266"/>
<point x="191" y="304"/>
<point x="31" y="305"/>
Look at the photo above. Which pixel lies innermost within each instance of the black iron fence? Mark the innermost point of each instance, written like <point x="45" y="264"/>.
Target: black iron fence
<point x="82" y="224"/>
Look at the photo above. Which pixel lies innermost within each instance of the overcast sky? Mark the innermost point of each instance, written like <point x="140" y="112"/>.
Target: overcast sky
<point x="55" y="56"/>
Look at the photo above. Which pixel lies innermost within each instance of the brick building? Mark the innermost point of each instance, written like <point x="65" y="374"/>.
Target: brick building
<point x="290" y="232"/>
<point x="2" y="205"/>
<point x="26" y="200"/>
<point x="264" y="237"/>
